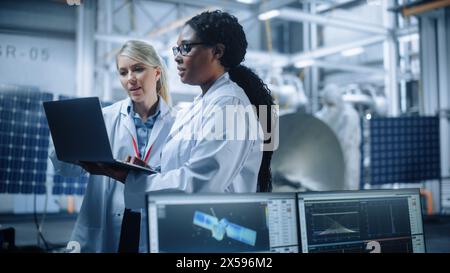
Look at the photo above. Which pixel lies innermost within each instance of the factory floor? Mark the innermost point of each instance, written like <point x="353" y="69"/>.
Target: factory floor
<point x="57" y="230"/>
<point x="437" y="234"/>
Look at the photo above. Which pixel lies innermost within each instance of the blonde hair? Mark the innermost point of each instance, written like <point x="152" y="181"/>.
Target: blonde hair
<point x="145" y="53"/>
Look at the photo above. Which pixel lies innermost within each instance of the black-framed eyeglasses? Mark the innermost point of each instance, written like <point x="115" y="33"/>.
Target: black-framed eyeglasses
<point x="184" y="49"/>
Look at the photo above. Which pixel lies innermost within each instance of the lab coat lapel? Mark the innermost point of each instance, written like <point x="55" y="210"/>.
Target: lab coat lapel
<point x="159" y="123"/>
<point x="157" y="127"/>
<point x="127" y="119"/>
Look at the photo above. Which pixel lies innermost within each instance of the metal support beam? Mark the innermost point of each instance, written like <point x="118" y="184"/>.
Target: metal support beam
<point x="391" y="57"/>
<point x="435" y="67"/>
<point x="107" y="89"/>
<point x="86" y="17"/>
<point x="224" y="4"/>
<point x="443" y="49"/>
<point x="418" y="9"/>
<point x="173" y="25"/>
<point x="347" y="4"/>
<point x="120" y="39"/>
<point x="150" y="37"/>
<point x="390" y="60"/>
<point x="349" y="67"/>
<point x="116" y="38"/>
<point x="326" y="51"/>
<point x="263" y="58"/>
<point x="390" y="52"/>
<point x="307" y="74"/>
<point x="406" y="31"/>
<point x="314" y="70"/>
<point x="301" y="16"/>
<point x="274" y="4"/>
<point x="429" y="70"/>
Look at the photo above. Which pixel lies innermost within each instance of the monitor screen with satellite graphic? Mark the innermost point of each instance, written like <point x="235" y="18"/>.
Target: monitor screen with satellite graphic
<point x="366" y="221"/>
<point x="222" y="223"/>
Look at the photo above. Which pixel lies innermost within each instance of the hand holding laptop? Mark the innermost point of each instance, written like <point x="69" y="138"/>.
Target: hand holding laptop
<point x="97" y="168"/>
<point x="136" y="161"/>
<point x="75" y="144"/>
<point x="116" y="172"/>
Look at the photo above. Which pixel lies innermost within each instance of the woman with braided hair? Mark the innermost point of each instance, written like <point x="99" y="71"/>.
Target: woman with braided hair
<point x="199" y="155"/>
<point x="222" y="34"/>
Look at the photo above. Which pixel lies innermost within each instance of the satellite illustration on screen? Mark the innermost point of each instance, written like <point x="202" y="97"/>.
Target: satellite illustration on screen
<point x="236" y="227"/>
<point x="224" y="227"/>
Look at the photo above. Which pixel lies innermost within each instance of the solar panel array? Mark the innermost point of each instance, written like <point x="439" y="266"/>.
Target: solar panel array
<point x="404" y="149"/>
<point x="24" y="140"/>
<point x="24" y="144"/>
<point x="69" y="185"/>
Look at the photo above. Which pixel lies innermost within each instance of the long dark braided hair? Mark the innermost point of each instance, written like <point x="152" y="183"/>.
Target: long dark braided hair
<point x="217" y="27"/>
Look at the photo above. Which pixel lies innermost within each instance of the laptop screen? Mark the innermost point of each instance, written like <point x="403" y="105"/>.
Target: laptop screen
<point x="361" y="221"/>
<point x="262" y="222"/>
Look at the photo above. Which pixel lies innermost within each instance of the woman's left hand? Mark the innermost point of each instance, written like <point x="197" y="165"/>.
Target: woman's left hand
<point x="119" y="174"/>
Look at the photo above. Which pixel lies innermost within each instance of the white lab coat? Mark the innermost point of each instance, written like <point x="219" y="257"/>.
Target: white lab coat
<point x="98" y="226"/>
<point x="192" y="164"/>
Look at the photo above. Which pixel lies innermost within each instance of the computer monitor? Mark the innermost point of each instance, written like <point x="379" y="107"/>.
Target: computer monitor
<point x="361" y="221"/>
<point x="258" y="222"/>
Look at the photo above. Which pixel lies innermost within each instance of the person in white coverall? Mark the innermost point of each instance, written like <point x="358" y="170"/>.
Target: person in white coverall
<point x="343" y="119"/>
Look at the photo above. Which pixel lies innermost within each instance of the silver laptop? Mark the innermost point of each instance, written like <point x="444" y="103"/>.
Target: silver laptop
<point x="366" y="221"/>
<point x="79" y="133"/>
<point x="222" y="223"/>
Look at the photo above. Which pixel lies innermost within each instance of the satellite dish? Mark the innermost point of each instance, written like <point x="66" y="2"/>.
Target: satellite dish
<point x="309" y="156"/>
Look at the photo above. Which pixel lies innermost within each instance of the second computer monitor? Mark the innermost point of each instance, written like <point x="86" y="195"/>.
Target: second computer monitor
<point x="361" y="221"/>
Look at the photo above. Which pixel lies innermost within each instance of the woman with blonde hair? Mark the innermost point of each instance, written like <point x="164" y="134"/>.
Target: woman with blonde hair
<point x="137" y="128"/>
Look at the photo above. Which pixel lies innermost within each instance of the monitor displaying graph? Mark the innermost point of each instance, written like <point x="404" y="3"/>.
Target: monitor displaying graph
<point x="361" y="221"/>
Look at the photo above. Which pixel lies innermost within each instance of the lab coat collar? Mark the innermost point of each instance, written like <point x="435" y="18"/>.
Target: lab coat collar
<point x="129" y="123"/>
<point x="162" y="105"/>
<point x="200" y="101"/>
<point x="164" y="114"/>
<point x="216" y="85"/>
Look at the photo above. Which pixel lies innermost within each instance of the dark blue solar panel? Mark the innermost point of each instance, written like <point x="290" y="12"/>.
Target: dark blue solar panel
<point x="13" y="188"/>
<point x="40" y="189"/>
<point x="405" y="149"/>
<point x="69" y="185"/>
<point x="24" y="143"/>
<point x="80" y="191"/>
<point x="24" y="140"/>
